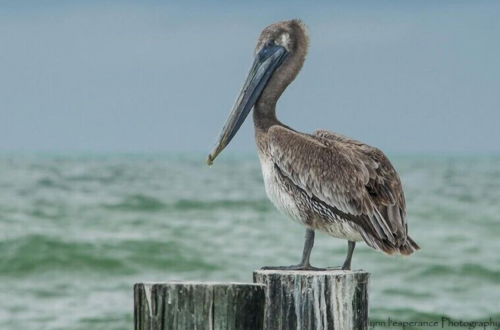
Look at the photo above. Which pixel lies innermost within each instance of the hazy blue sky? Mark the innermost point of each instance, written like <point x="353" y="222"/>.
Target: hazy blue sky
<point x="406" y="76"/>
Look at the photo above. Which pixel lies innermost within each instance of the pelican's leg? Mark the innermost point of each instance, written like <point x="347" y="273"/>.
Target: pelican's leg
<point x="347" y="262"/>
<point x="350" y="249"/>
<point x="306" y="254"/>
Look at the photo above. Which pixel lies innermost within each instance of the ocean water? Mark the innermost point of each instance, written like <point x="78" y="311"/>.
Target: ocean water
<point x="76" y="232"/>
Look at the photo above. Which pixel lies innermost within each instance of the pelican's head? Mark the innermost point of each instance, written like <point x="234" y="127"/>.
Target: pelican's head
<point x="279" y="55"/>
<point x="291" y="35"/>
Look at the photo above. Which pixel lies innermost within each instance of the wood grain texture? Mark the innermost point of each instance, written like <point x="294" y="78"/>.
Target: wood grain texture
<point x="315" y="300"/>
<point x="198" y="305"/>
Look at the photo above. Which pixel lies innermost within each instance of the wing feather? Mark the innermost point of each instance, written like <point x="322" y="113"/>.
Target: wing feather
<point x="348" y="175"/>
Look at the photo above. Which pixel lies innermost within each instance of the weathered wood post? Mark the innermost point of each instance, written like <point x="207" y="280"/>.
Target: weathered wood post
<point x="279" y="300"/>
<point x="198" y="305"/>
<point x="315" y="300"/>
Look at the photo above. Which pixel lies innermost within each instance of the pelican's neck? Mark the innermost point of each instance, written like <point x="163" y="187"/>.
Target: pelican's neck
<point x="264" y="116"/>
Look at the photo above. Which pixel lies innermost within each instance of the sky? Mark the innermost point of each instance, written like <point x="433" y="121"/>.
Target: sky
<point x="158" y="76"/>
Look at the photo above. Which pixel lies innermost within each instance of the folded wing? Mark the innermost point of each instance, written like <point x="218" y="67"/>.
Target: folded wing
<point x="355" y="180"/>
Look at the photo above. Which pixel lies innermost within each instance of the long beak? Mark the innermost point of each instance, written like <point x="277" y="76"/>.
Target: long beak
<point x="264" y="65"/>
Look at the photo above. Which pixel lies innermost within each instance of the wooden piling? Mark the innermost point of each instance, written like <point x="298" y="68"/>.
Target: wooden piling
<point x="198" y="305"/>
<point x="278" y="300"/>
<point x="315" y="300"/>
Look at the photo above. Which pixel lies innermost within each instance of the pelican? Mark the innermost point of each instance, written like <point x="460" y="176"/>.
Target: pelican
<point x="325" y="181"/>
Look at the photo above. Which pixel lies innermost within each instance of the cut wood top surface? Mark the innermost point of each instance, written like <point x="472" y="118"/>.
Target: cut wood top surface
<point x="207" y="283"/>
<point x="331" y="272"/>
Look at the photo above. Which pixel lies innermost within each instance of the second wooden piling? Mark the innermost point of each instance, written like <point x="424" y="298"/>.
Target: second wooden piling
<point x="319" y="300"/>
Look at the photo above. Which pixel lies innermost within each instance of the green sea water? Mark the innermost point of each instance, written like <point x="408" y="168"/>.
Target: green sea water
<point x="76" y="232"/>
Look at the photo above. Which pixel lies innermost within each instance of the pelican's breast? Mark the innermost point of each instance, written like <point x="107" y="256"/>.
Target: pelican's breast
<point x="278" y="193"/>
<point x="292" y="202"/>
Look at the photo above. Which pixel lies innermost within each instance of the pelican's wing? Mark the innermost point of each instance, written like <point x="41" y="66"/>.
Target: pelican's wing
<point x="384" y="186"/>
<point x="355" y="180"/>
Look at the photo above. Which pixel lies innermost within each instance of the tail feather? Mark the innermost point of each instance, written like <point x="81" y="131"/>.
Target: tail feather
<point x="407" y="248"/>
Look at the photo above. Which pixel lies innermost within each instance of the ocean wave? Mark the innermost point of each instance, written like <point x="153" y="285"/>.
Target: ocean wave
<point x="145" y="203"/>
<point x="466" y="270"/>
<point x="34" y="254"/>
<point x="138" y="202"/>
<point x="258" y="205"/>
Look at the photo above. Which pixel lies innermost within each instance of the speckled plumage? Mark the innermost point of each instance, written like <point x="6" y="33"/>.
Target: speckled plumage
<point x="326" y="181"/>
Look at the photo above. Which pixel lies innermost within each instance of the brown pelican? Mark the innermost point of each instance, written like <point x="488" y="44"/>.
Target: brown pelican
<point x="325" y="181"/>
